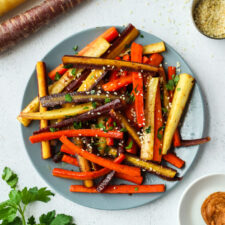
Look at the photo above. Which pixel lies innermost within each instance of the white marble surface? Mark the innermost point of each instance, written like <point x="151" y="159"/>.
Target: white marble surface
<point x="169" y="20"/>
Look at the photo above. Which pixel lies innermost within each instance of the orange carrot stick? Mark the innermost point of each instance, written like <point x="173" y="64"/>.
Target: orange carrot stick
<point x="136" y="180"/>
<point x="69" y="159"/>
<point x="174" y="160"/>
<point x="155" y="59"/>
<point x="99" y="160"/>
<point x="131" y="146"/>
<point x="136" y="56"/>
<point x="75" y="133"/>
<point x="59" y="69"/>
<point x="121" y="189"/>
<point x="158" y="137"/>
<point x="108" y="125"/>
<point x="116" y="84"/>
<point x="145" y="59"/>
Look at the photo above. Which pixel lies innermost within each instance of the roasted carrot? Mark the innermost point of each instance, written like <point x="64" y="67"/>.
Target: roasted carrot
<point x="75" y="133"/>
<point x="174" y="160"/>
<point x="136" y="180"/>
<point x="109" y="125"/>
<point x="126" y="57"/>
<point x="155" y="59"/>
<point x="158" y="137"/>
<point x="176" y="136"/>
<point x="42" y="91"/>
<point x="60" y="69"/>
<point x="116" y="84"/>
<point x="136" y="56"/>
<point x="121" y="189"/>
<point x="145" y="59"/>
<point x="24" y="24"/>
<point x="131" y="146"/>
<point x="69" y="159"/>
<point x="99" y="160"/>
<point x="109" y="35"/>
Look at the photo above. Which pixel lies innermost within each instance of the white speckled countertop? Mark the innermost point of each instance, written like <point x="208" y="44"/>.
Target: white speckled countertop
<point x="170" y="21"/>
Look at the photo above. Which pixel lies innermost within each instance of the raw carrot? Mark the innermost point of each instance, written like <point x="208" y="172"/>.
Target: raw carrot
<point x="58" y="172"/>
<point x="136" y="180"/>
<point x="131" y="146"/>
<point x="155" y="59"/>
<point x="121" y="189"/>
<point x="176" y="136"/>
<point x="116" y="84"/>
<point x="136" y="56"/>
<point x="158" y="137"/>
<point x="99" y="160"/>
<point x="174" y="160"/>
<point x="69" y="159"/>
<point x="24" y="24"/>
<point x="109" y="35"/>
<point x="75" y="133"/>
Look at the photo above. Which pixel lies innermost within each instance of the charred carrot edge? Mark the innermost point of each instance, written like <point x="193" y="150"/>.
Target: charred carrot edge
<point x="136" y="56"/>
<point x="75" y="133"/>
<point x="108" y="124"/>
<point x="121" y="189"/>
<point x="109" y="35"/>
<point x="99" y="160"/>
<point x="158" y="142"/>
<point x="58" y="172"/>
<point x="174" y="160"/>
<point x="176" y="137"/>
<point x="155" y="59"/>
<point x="42" y="91"/>
<point x="187" y="143"/>
<point x="118" y="83"/>
<point x="70" y="160"/>
<point x="136" y="180"/>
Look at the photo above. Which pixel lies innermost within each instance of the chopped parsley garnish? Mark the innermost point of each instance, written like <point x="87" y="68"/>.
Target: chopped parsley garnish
<point x="135" y="89"/>
<point x="107" y="100"/>
<point x="52" y="129"/>
<point x="77" y="125"/>
<point x="159" y="135"/>
<point x="57" y="76"/>
<point x="94" y="104"/>
<point x="129" y="145"/>
<point x="141" y="36"/>
<point x="73" y="71"/>
<point x="160" y="151"/>
<point x="68" y="98"/>
<point x="86" y="107"/>
<point x="172" y="83"/>
<point x="164" y="110"/>
<point x="75" y="48"/>
<point x="136" y="188"/>
<point x="148" y="130"/>
<point x="123" y="129"/>
<point x="92" y="92"/>
<point x="178" y="89"/>
<point x="110" y="128"/>
<point x="68" y="66"/>
<point x="130" y="98"/>
<point x="114" y="123"/>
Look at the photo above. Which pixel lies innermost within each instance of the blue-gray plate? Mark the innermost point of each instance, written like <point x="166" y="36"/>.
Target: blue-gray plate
<point x="192" y="127"/>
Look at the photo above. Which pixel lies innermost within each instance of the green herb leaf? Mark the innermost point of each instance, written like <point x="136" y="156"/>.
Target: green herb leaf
<point x="107" y="100"/>
<point x="160" y="151"/>
<point x="148" y="130"/>
<point x="77" y="125"/>
<point x="164" y="110"/>
<point x="62" y="219"/>
<point x="130" y="99"/>
<point x="86" y="107"/>
<point x="136" y="188"/>
<point x="141" y="36"/>
<point x="47" y="218"/>
<point x="10" y="177"/>
<point x="172" y="83"/>
<point x="178" y="89"/>
<point x="135" y="89"/>
<point x="35" y="194"/>
<point x="159" y="135"/>
<point x="68" y="66"/>
<point x="75" y="47"/>
<point x="52" y="129"/>
<point x="15" y="196"/>
<point x="176" y="79"/>
<point x="73" y="71"/>
<point x="94" y="104"/>
<point x="129" y="145"/>
<point x="110" y="128"/>
<point x="8" y="210"/>
<point x="68" y="98"/>
<point x="31" y="221"/>
<point x="123" y="129"/>
<point x="16" y="221"/>
<point x="57" y="76"/>
<point x="92" y="92"/>
<point x="114" y="124"/>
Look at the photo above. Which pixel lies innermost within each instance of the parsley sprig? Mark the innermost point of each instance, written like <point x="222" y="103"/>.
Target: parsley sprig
<point x="12" y="211"/>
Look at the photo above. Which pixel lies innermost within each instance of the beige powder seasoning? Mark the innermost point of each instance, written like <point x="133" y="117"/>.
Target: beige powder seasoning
<point x="209" y="16"/>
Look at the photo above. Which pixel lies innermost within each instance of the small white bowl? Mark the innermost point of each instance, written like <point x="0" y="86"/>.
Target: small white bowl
<point x="189" y="209"/>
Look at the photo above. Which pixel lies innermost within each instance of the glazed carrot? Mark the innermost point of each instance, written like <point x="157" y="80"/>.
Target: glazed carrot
<point x="60" y="69"/>
<point x="136" y="180"/>
<point x="108" y="125"/>
<point x="75" y="133"/>
<point x="121" y="189"/>
<point x="131" y="146"/>
<point x="155" y="59"/>
<point x="42" y="91"/>
<point x="109" y="35"/>
<point x="145" y="59"/>
<point x="174" y="160"/>
<point x="136" y="56"/>
<point x="99" y="160"/>
<point x="69" y="159"/>
<point x="158" y="137"/>
<point x="176" y="137"/>
<point x="116" y="84"/>
<point x="126" y="57"/>
<point x="58" y="172"/>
